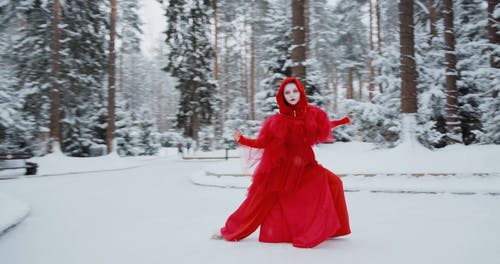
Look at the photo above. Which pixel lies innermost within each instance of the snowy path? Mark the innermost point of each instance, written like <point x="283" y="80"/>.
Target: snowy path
<point x="154" y="214"/>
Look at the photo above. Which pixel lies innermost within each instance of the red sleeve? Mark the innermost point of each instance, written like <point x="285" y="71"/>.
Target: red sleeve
<point x="340" y="122"/>
<point x="262" y="140"/>
<point x="253" y="143"/>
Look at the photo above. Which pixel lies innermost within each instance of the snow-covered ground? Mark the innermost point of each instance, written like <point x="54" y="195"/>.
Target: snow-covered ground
<point x="455" y="169"/>
<point x="149" y="210"/>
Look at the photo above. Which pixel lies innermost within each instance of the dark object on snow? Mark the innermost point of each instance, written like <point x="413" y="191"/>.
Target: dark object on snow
<point x="17" y="160"/>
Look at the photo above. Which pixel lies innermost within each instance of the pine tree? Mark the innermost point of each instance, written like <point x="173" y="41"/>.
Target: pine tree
<point x="56" y="79"/>
<point x="408" y="73"/>
<point x="16" y="127"/>
<point x="299" y="40"/>
<point x="240" y="27"/>
<point x="379" y="121"/>
<point x="452" y="114"/>
<point x="124" y="126"/>
<point x="429" y="55"/>
<point x="110" y="130"/>
<point x="83" y="71"/>
<point x="472" y="62"/>
<point x="494" y="35"/>
<point x="277" y="42"/>
<point x="190" y="61"/>
<point x="409" y="105"/>
<point x="351" y="41"/>
<point x="371" y="76"/>
<point x="320" y="55"/>
<point x="490" y="83"/>
<point x="33" y="60"/>
<point x="129" y="31"/>
<point x="148" y="142"/>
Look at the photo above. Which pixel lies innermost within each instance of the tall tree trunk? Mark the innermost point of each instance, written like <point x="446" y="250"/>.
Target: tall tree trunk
<point x="226" y="73"/>
<point x="216" y="38"/>
<point x="335" y="85"/>
<point x="244" y="65"/>
<point x="407" y="58"/>
<point x="350" y="86"/>
<point x="133" y="90"/>
<point x="55" y="133"/>
<point x="307" y="12"/>
<point x="433" y="20"/>
<point x="494" y="37"/>
<point x="195" y="127"/>
<point x="111" y="79"/>
<point x="252" y="73"/>
<point x="360" y="91"/>
<point x="244" y="72"/>
<point x="218" y="129"/>
<point x="379" y="37"/>
<point x="371" y="76"/>
<point x="120" y="71"/>
<point x="452" y="118"/>
<point x="224" y="87"/>
<point x="298" y="40"/>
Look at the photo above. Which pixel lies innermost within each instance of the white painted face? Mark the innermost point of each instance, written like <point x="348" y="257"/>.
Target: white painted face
<point x="291" y="93"/>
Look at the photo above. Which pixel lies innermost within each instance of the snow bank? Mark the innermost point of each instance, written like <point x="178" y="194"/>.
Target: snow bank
<point x="358" y="157"/>
<point x="60" y="164"/>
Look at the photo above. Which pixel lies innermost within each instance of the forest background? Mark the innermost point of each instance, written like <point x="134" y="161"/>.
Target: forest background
<point x="74" y="72"/>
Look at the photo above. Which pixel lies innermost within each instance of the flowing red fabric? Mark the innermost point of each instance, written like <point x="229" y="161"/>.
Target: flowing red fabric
<point x="292" y="198"/>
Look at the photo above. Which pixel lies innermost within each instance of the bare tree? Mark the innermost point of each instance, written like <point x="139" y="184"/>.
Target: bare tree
<point x="452" y="118"/>
<point x="55" y="134"/>
<point x="111" y="79"/>
<point x="407" y="58"/>
<point x="299" y="40"/>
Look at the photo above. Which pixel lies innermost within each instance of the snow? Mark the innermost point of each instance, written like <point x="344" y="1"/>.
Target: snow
<point x="149" y="210"/>
<point x="13" y="212"/>
<point x="59" y="164"/>
<point x="453" y="169"/>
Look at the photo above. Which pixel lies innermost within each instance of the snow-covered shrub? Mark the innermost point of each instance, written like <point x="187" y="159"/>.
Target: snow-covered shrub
<point x="373" y="123"/>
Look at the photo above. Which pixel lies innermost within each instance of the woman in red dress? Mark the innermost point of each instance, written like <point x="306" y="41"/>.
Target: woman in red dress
<point x="292" y="198"/>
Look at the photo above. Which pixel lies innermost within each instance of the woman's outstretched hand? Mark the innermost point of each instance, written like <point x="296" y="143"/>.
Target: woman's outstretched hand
<point x="237" y="135"/>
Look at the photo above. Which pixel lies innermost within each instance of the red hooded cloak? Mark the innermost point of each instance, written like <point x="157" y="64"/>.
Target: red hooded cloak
<point x="292" y="197"/>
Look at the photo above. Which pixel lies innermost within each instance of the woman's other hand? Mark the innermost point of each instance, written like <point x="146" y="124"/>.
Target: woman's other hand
<point x="237" y="135"/>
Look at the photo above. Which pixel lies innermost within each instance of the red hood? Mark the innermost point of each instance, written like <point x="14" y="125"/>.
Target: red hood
<point x="297" y="110"/>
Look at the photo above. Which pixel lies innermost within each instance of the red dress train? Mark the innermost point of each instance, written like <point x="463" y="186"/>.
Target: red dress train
<point x="292" y="198"/>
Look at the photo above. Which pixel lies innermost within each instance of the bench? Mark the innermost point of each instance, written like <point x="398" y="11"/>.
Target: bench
<point x="17" y="160"/>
